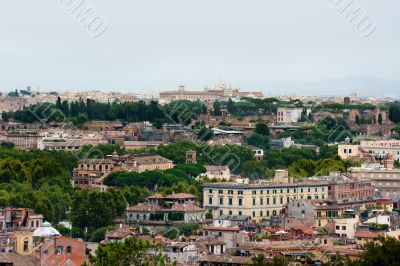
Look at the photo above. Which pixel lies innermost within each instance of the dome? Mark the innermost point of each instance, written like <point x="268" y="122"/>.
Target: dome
<point x="46" y="231"/>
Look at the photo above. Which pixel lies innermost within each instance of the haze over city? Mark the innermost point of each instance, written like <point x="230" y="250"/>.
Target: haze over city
<point x="278" y="47"/>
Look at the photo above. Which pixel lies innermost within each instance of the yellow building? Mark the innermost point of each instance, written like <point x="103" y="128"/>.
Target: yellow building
<point x="24" y="242"/>
<point x="259" y="200"/>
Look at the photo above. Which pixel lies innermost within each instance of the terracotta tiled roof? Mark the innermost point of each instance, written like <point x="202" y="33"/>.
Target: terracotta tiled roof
<point x="304" y="229"/>
<point x="216" y="228"/>
<point x="143" y="207"/>
<point x="152" y="159"/>
<point x="226" y="259"/>
<point x="96" y="161"/>
<point x="187" y="208"/>
<point x="162" y="240"/>
<point x="367" y="234"/>
<point x="121" y="233"/>
<point x="13" y="258"/>
<point x="180" y="196"/>
<point x="215" y="168"/>
<point x="156" y="196"/>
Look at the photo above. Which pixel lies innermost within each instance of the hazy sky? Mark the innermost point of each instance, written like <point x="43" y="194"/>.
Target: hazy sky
<point x="151" y="45"/>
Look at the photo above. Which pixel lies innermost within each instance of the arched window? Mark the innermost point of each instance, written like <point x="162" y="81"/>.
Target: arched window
<point x="137" y="216"/>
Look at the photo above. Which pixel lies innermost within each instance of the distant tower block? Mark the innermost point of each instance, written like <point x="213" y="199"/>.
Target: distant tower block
<point x="191" y="157"/>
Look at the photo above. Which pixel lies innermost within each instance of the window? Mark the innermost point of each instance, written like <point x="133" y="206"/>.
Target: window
<point x="221" y="212"/>
<point x="254" y="214"/>
<point x="261" y="201"/>
<point x="281" y="200"/>
<point x="210" y="200"/>
<point x="240" y="192"/>
<point x="69" y="249"/>
<point x="261" y="213"/>
<point x="220" y="191"/>
<point x="210" y="191"/>
<point x="254" y="201"/>
<point x="240" y="202"/>
<point x="26" y="246"/>
<point x="267" y="213"/>
<point x="230" y="212"/>
<point x="261" y="192"/>
<point x="221" y="201"/>
<point x="267" y="201"/>
<point x="254" y="192"/>
<point x="274" y="201"/>
<point x="240" y="212"/>
<point x="268" y="191"/>
<point x="59" y="250"/>
<point x="343" y="227"/>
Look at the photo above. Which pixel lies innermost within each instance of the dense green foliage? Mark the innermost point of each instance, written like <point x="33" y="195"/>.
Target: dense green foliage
<point x="154" y="179"/>
<point x="394" y="112"/>
<point x="328" y="130"/>
<point x="308" y="168"/>
<point x="93" y="209"/>
<point x="232" y="155"/>
<point x="79" y="112"/>
<point x="37" y="180"/>
<point x="132" y="251"/>
<point x="258" y="140"/>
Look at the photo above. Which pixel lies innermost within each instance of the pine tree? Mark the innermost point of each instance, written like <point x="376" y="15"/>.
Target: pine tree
<point x="65" y="108"/>
<point x="58" y="103"/>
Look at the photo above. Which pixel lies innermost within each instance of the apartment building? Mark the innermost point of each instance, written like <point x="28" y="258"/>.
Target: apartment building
<point x="219" y="172"/>
<point x="385" y="180"/>
<point x="263" y="199"/>
<point x="259" y="200"/>
<point x="159" y="208"/>
<point x="90" y="173"/>
<point x="15" y="218"/>
<point x="391" y="147"/>
<point x="24" y="140"/>
<point x="62" y="250"/>
<point x="289" y="115"/>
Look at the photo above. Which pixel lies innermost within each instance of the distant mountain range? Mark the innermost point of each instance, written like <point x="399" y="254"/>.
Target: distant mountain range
<point x="363" y="85"/>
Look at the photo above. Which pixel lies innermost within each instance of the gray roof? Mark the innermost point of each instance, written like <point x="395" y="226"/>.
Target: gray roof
<point x="233" y="217"/>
